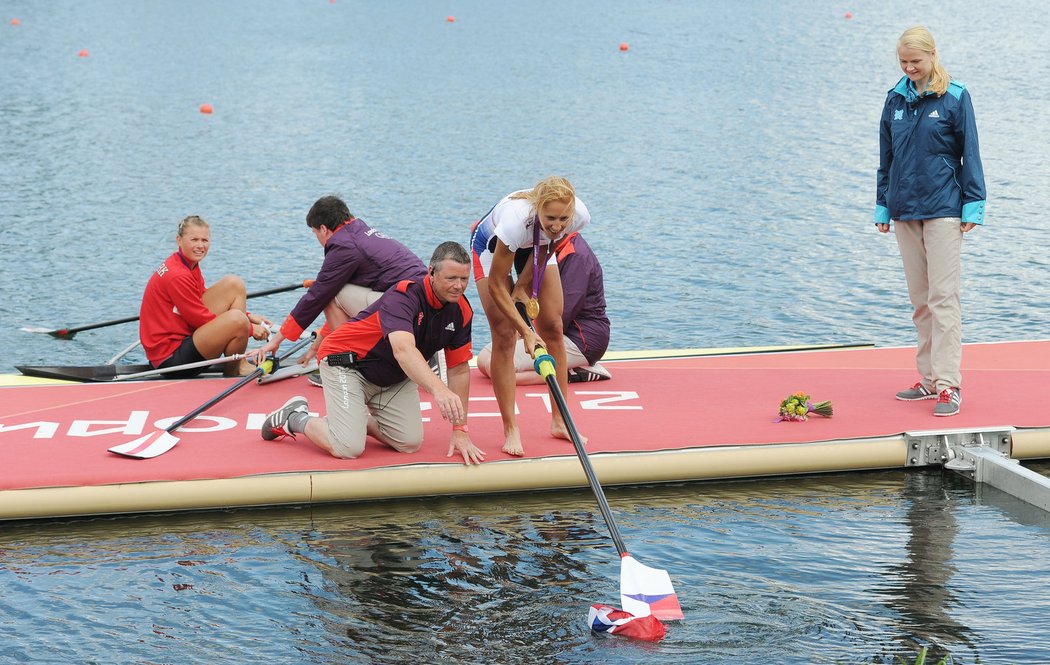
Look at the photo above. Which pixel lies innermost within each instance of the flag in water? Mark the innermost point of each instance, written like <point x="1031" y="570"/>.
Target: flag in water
<point x="645" y="590"/>
<point x="611" y="621"/>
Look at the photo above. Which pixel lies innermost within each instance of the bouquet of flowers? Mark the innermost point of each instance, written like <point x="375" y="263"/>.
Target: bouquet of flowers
<point x="797" y="406"/>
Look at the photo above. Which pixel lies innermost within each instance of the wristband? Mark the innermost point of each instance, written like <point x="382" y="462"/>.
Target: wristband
<point x="462" y="427"/>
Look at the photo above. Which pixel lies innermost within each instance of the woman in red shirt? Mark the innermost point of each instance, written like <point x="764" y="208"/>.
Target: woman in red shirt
<point x="182" y="322"/>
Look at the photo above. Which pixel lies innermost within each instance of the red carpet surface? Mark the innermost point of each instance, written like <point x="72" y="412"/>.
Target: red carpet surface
<point x="58" y="435"/>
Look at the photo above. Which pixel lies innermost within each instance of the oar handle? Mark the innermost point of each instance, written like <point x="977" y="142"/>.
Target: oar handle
<point x="544" y="365"/>
<point x="264" y="368"/>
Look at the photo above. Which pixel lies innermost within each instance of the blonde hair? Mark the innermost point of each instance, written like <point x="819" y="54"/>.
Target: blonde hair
<point x="192" y="220"/>
<point x="919" y="38"/>
<point x="551" y="188"/>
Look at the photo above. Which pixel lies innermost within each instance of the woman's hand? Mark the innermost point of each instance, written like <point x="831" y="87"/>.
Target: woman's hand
<point x="260" y="326"/>
<point x="260" y="332"/>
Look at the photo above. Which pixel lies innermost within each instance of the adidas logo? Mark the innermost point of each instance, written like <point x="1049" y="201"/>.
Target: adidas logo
<point x="934" y="114"/>
<point x="451" y="327"/>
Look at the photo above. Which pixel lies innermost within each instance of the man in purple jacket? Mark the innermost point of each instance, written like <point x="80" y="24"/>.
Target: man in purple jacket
<point x="585" y="325"/>
<point x="360" y="264"/>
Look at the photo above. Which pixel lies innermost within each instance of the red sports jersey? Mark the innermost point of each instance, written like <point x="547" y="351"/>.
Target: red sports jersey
<point x="171" y="308"/>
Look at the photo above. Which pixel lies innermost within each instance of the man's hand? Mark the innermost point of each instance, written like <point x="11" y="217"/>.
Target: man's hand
<point x="461" y="442"/>
<point x="449" y="405"/>
<point x="256" y="356"/>
<point x="311" y="353"/>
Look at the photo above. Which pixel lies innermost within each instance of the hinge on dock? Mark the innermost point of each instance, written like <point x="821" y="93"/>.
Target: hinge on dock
<point x="943" y="446"/>
<point x="982" y="456"/>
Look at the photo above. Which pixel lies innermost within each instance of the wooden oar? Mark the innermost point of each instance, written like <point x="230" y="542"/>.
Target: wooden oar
<point x="643" y="590"/>
<point x="160" y="442"/>
<point x="69" y="333"/>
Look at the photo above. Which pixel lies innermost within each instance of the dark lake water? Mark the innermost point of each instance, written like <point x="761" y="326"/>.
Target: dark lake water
<point x="728" y="160"/>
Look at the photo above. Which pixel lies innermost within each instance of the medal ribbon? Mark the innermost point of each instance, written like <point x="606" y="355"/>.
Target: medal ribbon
<point x="537" y="266"/>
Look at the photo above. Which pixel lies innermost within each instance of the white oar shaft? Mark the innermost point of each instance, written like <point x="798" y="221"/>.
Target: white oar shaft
<point x="179" y="368"/>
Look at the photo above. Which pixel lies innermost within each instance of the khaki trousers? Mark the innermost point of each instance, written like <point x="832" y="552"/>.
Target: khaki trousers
<point x="930" y="250"/>
<point x="351" y="400"/>
<point x="352" y="298"/>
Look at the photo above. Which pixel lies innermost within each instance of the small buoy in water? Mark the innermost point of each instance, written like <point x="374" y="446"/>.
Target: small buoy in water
<point x="451" y="19"/>
<point x="15" y="21"/>
<point x="83" y="53"/>
<point x="206" y="108"/>
<point x="849" y="15"/>
<point x="624" y="46"/>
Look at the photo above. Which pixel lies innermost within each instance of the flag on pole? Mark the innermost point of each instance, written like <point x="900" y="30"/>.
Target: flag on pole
<point x="645" y="591"/>
<point x="611" y="621"/>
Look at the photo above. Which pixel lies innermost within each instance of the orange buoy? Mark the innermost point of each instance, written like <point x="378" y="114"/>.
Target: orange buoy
<point x="83" y="53"/>
<point x="849" y="15"/>
<point x="624" y="46"/>
<point x="15" y="21"/>
<point x="206" y="108"/>
<point x="451" y="19"/>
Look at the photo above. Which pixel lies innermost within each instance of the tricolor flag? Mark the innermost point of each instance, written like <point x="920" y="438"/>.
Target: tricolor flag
<point x="611" y="621"/>
<point x="645" y="590"/>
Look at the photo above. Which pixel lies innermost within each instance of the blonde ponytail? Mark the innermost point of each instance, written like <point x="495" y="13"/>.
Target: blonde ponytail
<point x="552" y="188"/>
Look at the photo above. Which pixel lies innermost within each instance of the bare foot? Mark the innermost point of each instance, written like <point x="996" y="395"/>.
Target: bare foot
<point x="560" y="431"/>
<point x="242" y="368"/>
<point x="512" y="446"/>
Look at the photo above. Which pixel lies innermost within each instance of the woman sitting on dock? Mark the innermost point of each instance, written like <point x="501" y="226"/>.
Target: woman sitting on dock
<point x="181" y="322"/>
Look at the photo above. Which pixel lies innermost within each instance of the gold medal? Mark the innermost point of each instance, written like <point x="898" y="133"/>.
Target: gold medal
<point x="532" y="308"/>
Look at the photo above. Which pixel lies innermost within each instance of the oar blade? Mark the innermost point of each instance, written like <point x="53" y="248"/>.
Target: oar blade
<point x="145" y="447"/>
<point x="607" y="620"/>
<point x="61" y="333"/>
<point x="645" y="591"/>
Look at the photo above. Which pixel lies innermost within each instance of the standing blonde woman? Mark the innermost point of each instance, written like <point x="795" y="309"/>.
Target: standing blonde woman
<point x="530" y="220"/>
<point x="930" y="183"/>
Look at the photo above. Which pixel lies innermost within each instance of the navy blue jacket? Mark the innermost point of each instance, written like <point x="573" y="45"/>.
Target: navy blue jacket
<point x="929" y="161"/>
